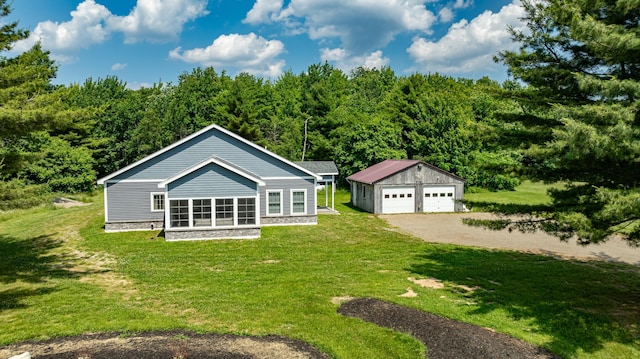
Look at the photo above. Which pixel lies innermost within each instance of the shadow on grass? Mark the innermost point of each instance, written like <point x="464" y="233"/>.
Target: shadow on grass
<point x="580" y="305"/>
<point x="507" y="208"/>
<point x="31" y="261"/>
<point x="353" y="208"/>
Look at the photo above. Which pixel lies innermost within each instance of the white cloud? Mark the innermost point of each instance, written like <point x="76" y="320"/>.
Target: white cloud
<point x="263" y="11"/>
<point x="462" y="4"/>
<point x="342" y="60"/>
<point x="361" y="25"/>
<point x="85" y="28"/>
<point x="445" y="14"/>
<point x="157" y="20"/>
<point x="469" y="46"/>
<point x="118" y="67"/>
<point x="92" y="23"/>
<point x="249" y="53"/>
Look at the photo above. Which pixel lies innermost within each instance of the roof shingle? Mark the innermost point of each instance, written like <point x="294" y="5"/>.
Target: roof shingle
<point x="319" y="167"/>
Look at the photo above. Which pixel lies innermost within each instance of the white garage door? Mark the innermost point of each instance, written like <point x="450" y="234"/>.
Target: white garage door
<point x="439" y="199"/>
<point x="398" y="200"/>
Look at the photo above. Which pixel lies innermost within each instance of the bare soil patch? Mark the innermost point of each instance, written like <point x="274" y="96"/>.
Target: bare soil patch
<point x="444" y="338"/>
<point x="62" y="202"/>
<point x="154" y="345"/>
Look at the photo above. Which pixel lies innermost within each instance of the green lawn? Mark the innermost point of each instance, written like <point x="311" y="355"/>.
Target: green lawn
<point x="62" y="275"/>
<point x="526" y="193"/>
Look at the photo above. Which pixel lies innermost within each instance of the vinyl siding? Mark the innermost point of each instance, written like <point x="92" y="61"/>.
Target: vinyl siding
<point x="212" y="181"/>
<point x="208" y="144"/>
<point x="286" y="186"/>
<point x="131" y="201"/>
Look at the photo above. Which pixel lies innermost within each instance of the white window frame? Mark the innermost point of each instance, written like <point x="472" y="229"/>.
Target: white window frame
<point x="279" y="191"/>
<point x="168" y="211"/>
<point x="256" y="211"/>
<point x="213" y="212"/>
<point x="304" y="191"/>
<point x="153" y="202"/>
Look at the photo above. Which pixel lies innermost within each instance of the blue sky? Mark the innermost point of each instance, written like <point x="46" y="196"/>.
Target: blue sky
<point x="143" y="42"/>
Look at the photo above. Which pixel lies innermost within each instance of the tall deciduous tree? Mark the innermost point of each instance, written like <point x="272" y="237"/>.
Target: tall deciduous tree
<point x="324" y="89"/>
<point x="581" y="61"/>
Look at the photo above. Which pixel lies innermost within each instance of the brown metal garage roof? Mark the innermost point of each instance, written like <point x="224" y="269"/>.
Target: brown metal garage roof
<point x="381" y="170"/>
<point x="388" y="168"/>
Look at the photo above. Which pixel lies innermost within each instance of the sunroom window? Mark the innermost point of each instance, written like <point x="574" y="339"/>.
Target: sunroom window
<point x="202" y="213"/>
<point x="179" y="212"/>
<point x="224" y="212"/>
<point x="246" y="211"/>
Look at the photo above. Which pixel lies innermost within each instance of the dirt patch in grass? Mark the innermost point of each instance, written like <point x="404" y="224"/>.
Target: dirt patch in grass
<point x="62" y="202"/>
<point x="444" y="338"/>
<point x="165" y="345"/>
<point x="427" y="282"/>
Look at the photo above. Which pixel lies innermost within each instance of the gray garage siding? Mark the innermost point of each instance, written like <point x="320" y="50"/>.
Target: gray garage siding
<point x="362" y="196"/>
<point x="131" y="201"/>
<point x="204" y="146"/>
<point x="419" y="176"/>
<point x="212" y="181"/>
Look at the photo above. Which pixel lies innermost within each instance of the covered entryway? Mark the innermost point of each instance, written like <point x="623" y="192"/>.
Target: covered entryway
<point x="398" y="200"/>
<point x="439" y="198"/>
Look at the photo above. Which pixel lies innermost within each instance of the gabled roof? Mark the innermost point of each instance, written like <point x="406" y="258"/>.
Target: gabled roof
<point x="320" y="167"/>
<point x="218" y="161"/>
<point x="196" y="134"/>
<point x="387" y="168"/>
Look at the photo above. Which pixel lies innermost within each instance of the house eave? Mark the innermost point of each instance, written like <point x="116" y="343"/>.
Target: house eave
<point x="196" y="134"/>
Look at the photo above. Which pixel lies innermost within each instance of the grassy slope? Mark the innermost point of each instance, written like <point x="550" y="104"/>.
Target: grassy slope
<point x="59" y="267"/>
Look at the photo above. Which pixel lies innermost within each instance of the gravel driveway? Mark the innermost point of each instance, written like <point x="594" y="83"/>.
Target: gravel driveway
<point x="448" y="228"/>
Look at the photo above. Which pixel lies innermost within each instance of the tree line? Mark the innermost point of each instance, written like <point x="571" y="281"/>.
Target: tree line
<point x="569" y="113"/>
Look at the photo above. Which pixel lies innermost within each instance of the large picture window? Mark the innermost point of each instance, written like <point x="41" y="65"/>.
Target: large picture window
<point x="298" y="201"/>
<point x="179" y="212"/>
<point x="246" y="211"/>
<point x="202" y="213"/>
<point x="224" y="212"/>
<point x="274" y="205"/>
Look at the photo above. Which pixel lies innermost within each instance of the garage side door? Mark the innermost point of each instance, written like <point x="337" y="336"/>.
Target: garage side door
<point x="398" y="200"/>
<point x="439" y="198"/>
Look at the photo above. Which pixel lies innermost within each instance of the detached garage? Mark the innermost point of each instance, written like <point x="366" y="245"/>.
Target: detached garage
<point x="406" y="186"/>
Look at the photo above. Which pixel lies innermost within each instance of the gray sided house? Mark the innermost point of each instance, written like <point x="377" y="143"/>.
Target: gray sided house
<point x="406" y="186"/>
<point x="328" y="171"/>
<point x="211" y="184"/>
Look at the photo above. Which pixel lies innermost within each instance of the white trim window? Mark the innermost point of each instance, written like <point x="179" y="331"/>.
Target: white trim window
<point x="224" y="212"/>
<point x="298" y="201"/>
<point x="157" y="202"/>
<point x="179" y="213"/>
<point x="246" y="211"/>
<point x="201" y="212"/>
<point x="274" y="202"/>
